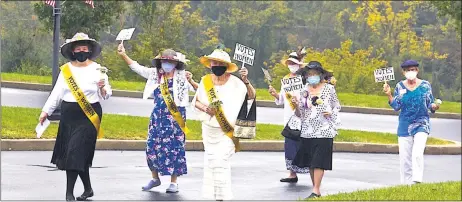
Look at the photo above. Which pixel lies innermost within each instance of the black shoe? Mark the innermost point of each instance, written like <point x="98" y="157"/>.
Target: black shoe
<point x="85" y="195"/>
<point x="313" y="195"/>
<point x="70" y="197"/>
<point x="290" y="179"/>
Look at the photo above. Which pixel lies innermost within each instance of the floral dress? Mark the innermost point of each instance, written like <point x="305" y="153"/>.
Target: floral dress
<point x="165" y="150"/>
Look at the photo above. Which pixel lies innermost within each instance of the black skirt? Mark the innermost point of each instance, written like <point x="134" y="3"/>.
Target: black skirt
<point x="315" y="153"/>
<point x="76" y="140"/>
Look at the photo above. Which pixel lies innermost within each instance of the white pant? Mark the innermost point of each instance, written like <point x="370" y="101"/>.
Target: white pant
<point x="411" y="157"/>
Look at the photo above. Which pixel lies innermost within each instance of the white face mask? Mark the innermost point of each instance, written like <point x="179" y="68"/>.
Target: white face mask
<point x="293" y="68"/>
<point x="410" y="75"/>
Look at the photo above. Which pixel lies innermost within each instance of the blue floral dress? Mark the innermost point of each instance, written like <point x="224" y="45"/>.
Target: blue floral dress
<point x="165" y="144"/>
<point x="413" y="106"/>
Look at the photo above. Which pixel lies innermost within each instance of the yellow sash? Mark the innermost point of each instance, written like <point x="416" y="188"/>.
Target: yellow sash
<point x="221" y="118"/>
<point x="82" y="99"/>
<point x="289" y="96"/>
<point x="171" y="106"/>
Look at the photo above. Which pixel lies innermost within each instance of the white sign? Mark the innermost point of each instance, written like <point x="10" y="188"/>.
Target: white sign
<point x="244" y="54"/>
<point x="39" y="129"/>
<point x="125" y="34"/>
<point x="293" y="84"/>
<point x="384" y="74"/>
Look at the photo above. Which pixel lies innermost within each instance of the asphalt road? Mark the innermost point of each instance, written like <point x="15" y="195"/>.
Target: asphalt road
<point x="119" y="175"/>
<point x="442" y="128"/>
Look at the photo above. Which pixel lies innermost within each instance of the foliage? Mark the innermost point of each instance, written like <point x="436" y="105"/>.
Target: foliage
<point x="27" y="47"/>
<point x="351" y="69"/>
<point x="452" y="9"/>
<point x="337" y="33"/>
<point x="76" y="16"/>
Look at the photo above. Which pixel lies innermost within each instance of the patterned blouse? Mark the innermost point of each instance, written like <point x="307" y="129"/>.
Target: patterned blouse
<point x="314" y="124"/>
<point x="413" y="106"/>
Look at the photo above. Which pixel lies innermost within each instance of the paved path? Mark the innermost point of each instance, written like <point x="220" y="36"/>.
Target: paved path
<point x="442" y="128"/>
<point x="119" y="175"/>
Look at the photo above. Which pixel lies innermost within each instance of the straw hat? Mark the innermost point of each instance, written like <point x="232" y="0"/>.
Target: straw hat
<point x="171" y="55"/>
<point x="67" y="48"/>
<point x="220" y="56"/>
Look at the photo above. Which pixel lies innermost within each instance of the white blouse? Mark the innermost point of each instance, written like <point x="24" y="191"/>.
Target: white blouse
<point x="87" y="79"/>
<point x="181" y="86"/>
<point x="231" y="94"/>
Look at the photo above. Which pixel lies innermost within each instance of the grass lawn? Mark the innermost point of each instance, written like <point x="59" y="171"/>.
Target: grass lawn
<point x="419" y="192"/>
<point x="135" y="128"/>
<point x="346" y="99"/>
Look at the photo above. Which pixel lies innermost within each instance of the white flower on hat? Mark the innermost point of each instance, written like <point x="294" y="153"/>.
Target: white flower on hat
<point x="181" y="57"/>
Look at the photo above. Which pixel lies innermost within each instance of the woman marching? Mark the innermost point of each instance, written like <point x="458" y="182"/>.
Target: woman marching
<point x="413" y="98"/>
<point x="284" y="98"/>
<point x="169" y="85"/>
<point x="80" y="83"/>
<point x="219" y="99"/>
<point x="318" y="107"/>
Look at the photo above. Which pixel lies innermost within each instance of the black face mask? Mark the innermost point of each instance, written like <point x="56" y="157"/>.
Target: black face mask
<point x="219" y="70"/>
<point x="81" y="56"/>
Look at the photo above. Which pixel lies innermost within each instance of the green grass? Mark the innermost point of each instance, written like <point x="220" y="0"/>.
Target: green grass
<point x="135" y="128"/>
<point x="346" y="99"/>
<point x="419" y="192"/>
<point x="119" y="85"/>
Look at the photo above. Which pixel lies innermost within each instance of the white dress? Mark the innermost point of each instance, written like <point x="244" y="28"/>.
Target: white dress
<point x="218" y="147"/>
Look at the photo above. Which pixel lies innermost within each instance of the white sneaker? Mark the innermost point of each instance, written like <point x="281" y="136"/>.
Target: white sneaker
<point x="173" y="188"/>
<point x="153" y="183"/>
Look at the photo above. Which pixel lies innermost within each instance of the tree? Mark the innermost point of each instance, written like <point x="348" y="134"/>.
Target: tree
<point x="259" y="24"/>
<point x="21" y="35"/>
<point x="453" y="9"/>
<point x="80" y="17"/>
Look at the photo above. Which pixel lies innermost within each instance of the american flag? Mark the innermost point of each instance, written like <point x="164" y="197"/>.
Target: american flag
<point x="50" y="2"/>
<point x="90" y="2"/>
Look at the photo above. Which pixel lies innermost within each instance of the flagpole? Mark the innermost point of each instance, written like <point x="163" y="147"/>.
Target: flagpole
<point x="55" y="69"/>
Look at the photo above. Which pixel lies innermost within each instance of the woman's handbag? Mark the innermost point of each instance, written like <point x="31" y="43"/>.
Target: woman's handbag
<point x="245" y="123"/>
<point x="292" y="130"/>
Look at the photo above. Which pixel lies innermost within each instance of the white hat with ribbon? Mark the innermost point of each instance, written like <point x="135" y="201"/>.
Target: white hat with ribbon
<point x="80" y="39"/>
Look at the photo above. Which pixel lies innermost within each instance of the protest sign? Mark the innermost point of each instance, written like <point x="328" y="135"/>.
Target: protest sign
<point x="384" y="74"/>
<point x="125" y="34"/>
<point x="244" y="54"/>
<point x="293" y="84"/>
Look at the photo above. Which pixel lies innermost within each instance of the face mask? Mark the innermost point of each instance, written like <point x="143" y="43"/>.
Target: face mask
<point x="81" y="56"/>
<point x="218" y="70"/>
<point x="293" y="68"/>
<point x="167" y="67"/>
<point x="410" y="75"/>
<point x="313" y="80"/>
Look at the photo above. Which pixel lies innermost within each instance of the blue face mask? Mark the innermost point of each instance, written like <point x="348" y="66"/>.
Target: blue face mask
<point x="167" y="67"/>
<point x="313" y="80"/>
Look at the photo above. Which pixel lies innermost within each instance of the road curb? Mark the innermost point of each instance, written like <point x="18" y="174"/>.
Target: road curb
<point x="268" y="104"/>
<point x="196" y="145"/>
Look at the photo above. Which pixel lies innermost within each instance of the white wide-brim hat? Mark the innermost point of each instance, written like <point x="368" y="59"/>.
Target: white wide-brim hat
<point x="220" y="56"/>
<point x="95" y="47"/>
<point x="294" y="58"/>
